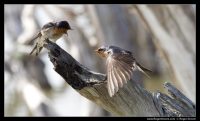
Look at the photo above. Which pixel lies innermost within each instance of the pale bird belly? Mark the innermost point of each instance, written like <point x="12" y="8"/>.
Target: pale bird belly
<point x="54" y="38"/>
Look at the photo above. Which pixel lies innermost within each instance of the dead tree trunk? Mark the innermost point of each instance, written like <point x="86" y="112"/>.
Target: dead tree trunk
<point x="131" y="100"/>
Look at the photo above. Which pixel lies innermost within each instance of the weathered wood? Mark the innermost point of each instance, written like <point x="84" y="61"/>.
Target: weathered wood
<point x="176" y="105"/>
<point x="131" y="100"/>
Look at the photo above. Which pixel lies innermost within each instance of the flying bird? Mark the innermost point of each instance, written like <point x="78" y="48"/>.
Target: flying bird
<point x="52" y="31"/>
<point x="120" y="66"/>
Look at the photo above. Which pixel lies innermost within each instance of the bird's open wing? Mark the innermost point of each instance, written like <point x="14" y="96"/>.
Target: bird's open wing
<point x="48" y="25"/>
<point x="119" y="70"/>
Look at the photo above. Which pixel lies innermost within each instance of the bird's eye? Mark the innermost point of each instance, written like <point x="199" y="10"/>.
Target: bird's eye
<point x="100" y="49"/>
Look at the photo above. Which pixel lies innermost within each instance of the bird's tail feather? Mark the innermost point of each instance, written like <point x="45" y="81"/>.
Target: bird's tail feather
<point x="33" y="50"/>
<point x="143" y="69"/>
<point x="36" y="50"/>
<point x="31" y="41"/>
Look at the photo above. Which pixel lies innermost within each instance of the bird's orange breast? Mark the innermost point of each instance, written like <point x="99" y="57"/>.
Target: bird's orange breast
<point x="59" y="31"/>
<point x="56" y="34"/>
<point x="102" y="54"/>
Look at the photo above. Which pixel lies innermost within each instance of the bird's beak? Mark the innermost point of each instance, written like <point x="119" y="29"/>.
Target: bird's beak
<point x="70" y="28"/>
<point x="67" y="30"/>
<point x="96" y="50"/>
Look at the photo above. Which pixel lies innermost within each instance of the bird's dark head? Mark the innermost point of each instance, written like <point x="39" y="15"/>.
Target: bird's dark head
<point x="102" y="51"/>
<point x="63" y="24"/>
<point x="63" y="27"/>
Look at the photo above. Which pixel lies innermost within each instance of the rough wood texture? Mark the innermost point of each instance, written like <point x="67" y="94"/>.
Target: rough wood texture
<point x="131" y="100"/>
<point x="177" y="106"/>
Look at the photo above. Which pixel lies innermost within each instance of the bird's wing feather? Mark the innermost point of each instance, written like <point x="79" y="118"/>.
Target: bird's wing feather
<point x="114" y="79"/>
<point x="48" y="25"/>
<point x="119" y="71"/>
<point x="31" y="41"/>
<point x="110" y="82"/>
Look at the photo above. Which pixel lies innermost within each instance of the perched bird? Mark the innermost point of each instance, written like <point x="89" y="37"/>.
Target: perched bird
<point x="52" y="31"/>
<point x="120" y="66"/>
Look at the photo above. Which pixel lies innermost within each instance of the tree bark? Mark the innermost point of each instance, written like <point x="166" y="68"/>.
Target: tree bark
<point x="131" y="100"/>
